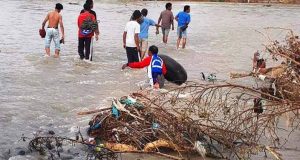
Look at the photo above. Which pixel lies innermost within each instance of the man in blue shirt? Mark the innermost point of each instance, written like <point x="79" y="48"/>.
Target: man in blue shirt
<point x="183" y="18"/>
<point x="143" y="36"/>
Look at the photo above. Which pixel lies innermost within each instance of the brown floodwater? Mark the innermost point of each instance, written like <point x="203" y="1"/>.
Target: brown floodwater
<point x="39" y="93"/>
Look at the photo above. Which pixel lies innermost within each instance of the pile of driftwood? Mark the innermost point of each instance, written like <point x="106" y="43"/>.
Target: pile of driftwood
<point x="288" y="83"/>
<point x="220" y="120"/>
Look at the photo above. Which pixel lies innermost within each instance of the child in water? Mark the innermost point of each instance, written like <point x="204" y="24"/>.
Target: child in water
<point x="156" y="67"/>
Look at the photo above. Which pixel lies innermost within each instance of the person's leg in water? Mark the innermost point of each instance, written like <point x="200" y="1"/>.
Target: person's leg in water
<point x="183" y="42"/>
<point x="164" y="35"/>
<point x="179" y="34"/>
<point x="56" y="42"/>
<point x="48" y="39"/>
<point x="184" y="36"/>
<point x="178" y="42"/>
<point x="161" y="80"/>
<point x="81" y="48"/>
<point x="144" y="47"/>
<point x="47" y="51"/>
<point x="135" y="55"/>
<point x="56" y="55"/>
<point x="87" y="48"/>
<point x="155" y="80"/>
<point x="166" y="39"/>
<point x="142" y="53"/>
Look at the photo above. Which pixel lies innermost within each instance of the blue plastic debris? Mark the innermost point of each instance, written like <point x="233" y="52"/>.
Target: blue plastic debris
<point x="115" y="112"/>
<point x="155" y="125"/>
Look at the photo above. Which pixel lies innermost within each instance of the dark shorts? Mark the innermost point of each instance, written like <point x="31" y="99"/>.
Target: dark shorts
<point x="132" y="54"/>
<point x="158" y="78"/>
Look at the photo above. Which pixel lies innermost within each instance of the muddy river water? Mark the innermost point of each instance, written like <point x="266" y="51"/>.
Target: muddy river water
<point x="39" y="93"/>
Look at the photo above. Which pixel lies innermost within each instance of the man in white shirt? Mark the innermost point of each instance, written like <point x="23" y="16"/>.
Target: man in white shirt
<point x="131" y="37"/>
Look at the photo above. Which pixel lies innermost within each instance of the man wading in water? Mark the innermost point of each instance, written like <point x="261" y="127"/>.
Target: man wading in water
<point x="52" y="32"/>
<point x="131" y="37"/>
<point x="183" y="18"/>
<point x="144" y="27"/>
<point x="166" y="18"/>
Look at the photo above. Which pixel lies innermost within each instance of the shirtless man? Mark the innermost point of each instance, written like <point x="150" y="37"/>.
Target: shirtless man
<point x="54" y="19"/>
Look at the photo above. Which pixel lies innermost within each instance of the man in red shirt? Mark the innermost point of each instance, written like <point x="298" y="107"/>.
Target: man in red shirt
<point x="87" y="25"/>
<point x="156" y="67"/>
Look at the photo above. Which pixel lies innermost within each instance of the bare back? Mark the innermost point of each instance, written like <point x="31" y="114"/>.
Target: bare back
<point x="54" y="18"/>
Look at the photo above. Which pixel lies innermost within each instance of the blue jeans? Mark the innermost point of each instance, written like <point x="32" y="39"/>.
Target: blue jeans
<point x="52" y="33"/>
<point x="181" y="34"/>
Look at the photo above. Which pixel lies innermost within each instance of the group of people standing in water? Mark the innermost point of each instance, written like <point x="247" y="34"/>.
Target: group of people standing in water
<point x="87" y="29"/>
<point x="135" y="36"/>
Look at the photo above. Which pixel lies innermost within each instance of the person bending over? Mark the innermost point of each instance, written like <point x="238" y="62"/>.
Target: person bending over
<point x="156" y="67"/>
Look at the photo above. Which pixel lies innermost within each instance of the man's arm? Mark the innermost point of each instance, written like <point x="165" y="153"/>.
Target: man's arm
<point x="145" y="62"/>
<point x="136" y="37"/>
<point x="172" y="21"/>
<point x="172" y="25"/>
<point x="45" y="21"/>
<point x="152" y="23"/>
<point x="159" y="19"/>
<point x="124" y="39"/>
<point x="142" y="64"/>
<point x="97" y="32"/>
<point x="97" y="29"/>
<point x="188" y="20"/>
<point x="155" y="24"/>
<point x="176" y="17"/>
<point x="61" y="27"/>
<point x="137" y="41"/>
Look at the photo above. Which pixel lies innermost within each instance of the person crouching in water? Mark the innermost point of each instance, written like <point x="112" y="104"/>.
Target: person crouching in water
<point x="87" y="25"/>
<point x="156" y="67"/>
